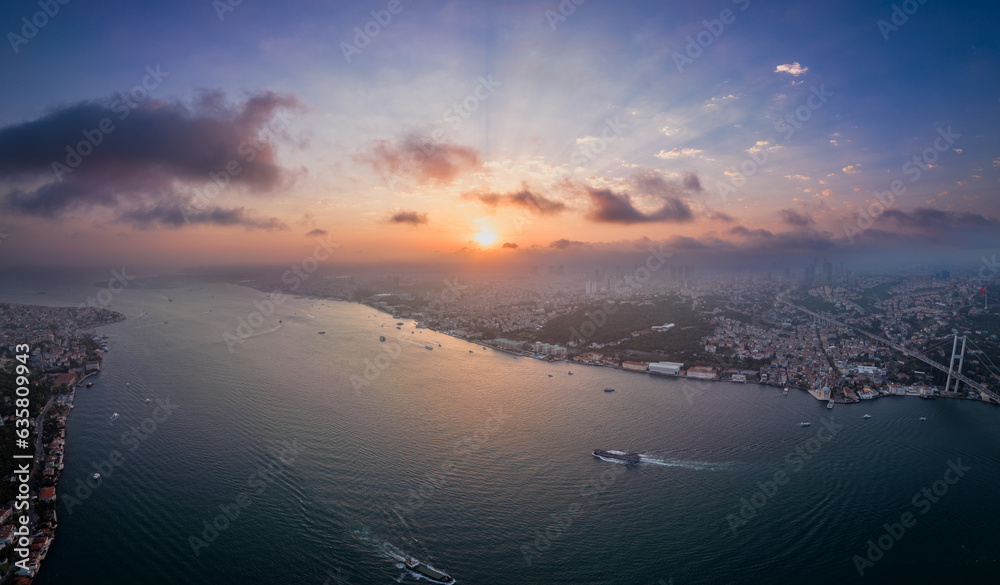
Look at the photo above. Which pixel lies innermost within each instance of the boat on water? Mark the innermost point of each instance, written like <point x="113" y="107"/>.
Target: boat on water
<point x="114" y="417"/>
<point x="923" y="418"/>
<point x="381" y="337"/>
<point x="470" y="351"/>
<point x="428" y="571"/>
<point x="570" y="373"/>
<point x="609" y="389"/>
<point x="90" y="384"/>
<point x="428" y="347"/>
<point x="322" y="332"/>
<point x="96" y="476"/>
<point x="829" y="405"/>
<point x="804" y="424"/>
<point x="628" y="457"/>
<point x="550" y="375"/>
<point x="439" y="345"/>
<point x="147" y="401"/>
<point x="400" y="323"/>
<point x="785" y="393"/>
<point x="867" y="416"/>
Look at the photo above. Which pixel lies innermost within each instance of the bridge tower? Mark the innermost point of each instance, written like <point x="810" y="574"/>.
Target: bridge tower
<point x="951" y="363"/>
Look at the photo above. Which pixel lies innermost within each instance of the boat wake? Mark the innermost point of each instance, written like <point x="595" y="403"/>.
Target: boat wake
<point x="695" y="465"/>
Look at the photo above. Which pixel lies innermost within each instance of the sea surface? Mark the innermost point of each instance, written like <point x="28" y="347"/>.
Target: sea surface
<point x="335" y="455"/>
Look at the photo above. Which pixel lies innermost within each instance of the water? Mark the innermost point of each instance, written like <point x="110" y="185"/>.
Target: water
<point x="468" y="460"/>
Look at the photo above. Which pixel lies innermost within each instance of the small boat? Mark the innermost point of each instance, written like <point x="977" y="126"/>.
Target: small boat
<point x="400" y="328"/>
<point x="381" y="337"/>
<point x="127" y="383"/>
<point x="428" y="347"/>
<point x="628" y="457"/>
<point x="570" y="373"/>
<point x="470" y="351"/>
<point x="550" y="375"/>
<point x="147" y="401"/>
<point x="96" y="476"/>
<point x="829" y="405"/>
<point x="114" y="417"/>
<point x="609" y="389"/>
<point x="90" y="384"/>
<point x="804" y="424"/>
<point x="439" y="345"/>
<point x="428" y="571"/>
<point x="322" y="332"/>
<point x="400" y="323"/>
<point x="923" y="418"/>
<point x="785" y="393"/>
<point x="867" y="416"/>
<point x="484" y="347"/>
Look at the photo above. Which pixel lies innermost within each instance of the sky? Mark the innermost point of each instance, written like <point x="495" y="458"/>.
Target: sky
<point x="202" y="133"/>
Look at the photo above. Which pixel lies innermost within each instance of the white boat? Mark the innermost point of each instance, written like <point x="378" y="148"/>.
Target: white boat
<point x="923" y="418"/>
<point x="804" y="424"/>
<point x="867" y="416"/>
<point x="829" y="405"/>
<point x="114" y="417"/>
<point x="147" y="401"/>
<point x="96" y="476"/>
<point x="785" y="393"/>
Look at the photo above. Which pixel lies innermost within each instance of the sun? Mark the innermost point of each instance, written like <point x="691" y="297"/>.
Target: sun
<point x="486" y="236"/>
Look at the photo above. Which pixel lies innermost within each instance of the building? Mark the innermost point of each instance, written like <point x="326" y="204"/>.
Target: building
<point x="671" y="368"/>
<point x="548" y="349"/>
<point x="636" y="366"/>
<point x="47" y="494"/>
<point x="702" y="372"/>
<point x="65" y="380"/>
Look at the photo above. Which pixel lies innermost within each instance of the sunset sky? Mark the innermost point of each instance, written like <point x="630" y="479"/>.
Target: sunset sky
<point x="480" y="129"/>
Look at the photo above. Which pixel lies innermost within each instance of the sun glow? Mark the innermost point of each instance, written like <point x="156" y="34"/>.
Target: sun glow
<point x="486" y="236"/>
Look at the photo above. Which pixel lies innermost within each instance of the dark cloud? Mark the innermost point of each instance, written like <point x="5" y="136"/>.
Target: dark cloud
<point x="419" y="158"/>
<point x="411" y="217"/>
<point x="650" y="182"/>
<point x="510" y="245"/>
<point x="927" y="218"/>
<point x="720" y="216"/>
<point x="317" y="232"/>
<point x="176" y="216"/>
<point x="564" y="243"/>
<point x="748" y="233"/>
<point x="795" y="218"/>
<point x="136" y="162"/>
<point x="524" y="198"/>
<point x="692" y="182"/>
<point x="611" y="207"/>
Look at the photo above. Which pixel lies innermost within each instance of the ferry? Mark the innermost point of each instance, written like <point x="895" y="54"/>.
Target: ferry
<point x="428" y="571"/>
<point x="829" y="405"/>
<point x="628" y="457"/>
<point x="804" y="424"/>
<point x="609" y="389"/>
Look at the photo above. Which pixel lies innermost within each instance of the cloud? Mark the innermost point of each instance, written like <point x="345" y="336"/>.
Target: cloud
<point x="611" y="207"/>
<point x="141" y="163"/>
<point x="720" y="216"/>
<point x="564" y="243"/>
<point x="317" y="232"/>
<point x="650" y="182"/>
<point x="795" y="69"/>
<point x="524" y="198"/>
<point x="748" y="233"/>
<point x="794" y="218"/>
<point x="851" y="169"/>
<point x="176" y="216"/>
<point x="420" y="158"/>
<point x="799" y="177"/>
<point x="927" y="218"/>
<point x="510" y="245"/>
<point x="677" y="153"/>
<point x="410" y="217"/>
